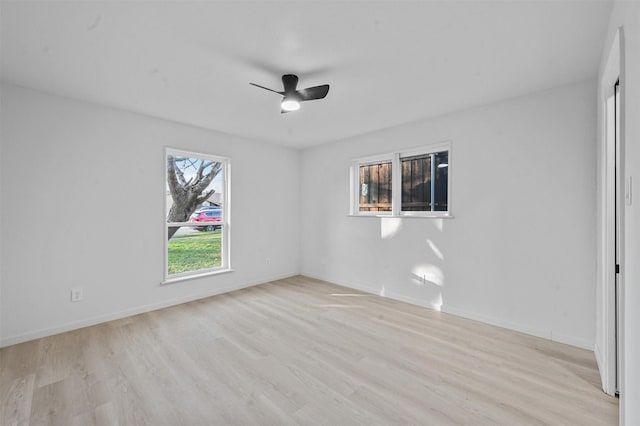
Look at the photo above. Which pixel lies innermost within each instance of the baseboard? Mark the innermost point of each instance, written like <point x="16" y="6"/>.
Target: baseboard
<point x="607" y="381"/>
<point x="569" y="340"/>
<point x="355" y="286"/>
<point x="573" y="341"/>
<point x="497" y="322"/>
<point x="545" y="334"/>
<point x="45" y="332"/>
<point x="599" y="363"/>
<point x="370" y="290"/>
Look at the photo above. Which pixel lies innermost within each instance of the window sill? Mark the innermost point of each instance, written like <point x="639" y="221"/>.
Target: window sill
<point x="181" y="278"/>
<point x="442" y="216"/>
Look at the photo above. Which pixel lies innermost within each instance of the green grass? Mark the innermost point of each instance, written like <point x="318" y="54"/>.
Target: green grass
<point x="195" y="251"/>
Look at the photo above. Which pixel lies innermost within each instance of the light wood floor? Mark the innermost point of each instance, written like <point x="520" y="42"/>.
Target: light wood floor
<point x="299" y="351"/>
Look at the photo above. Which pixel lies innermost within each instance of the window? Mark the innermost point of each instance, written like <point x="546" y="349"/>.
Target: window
<point x="375" y="187"/>
<point x="424" y="182"/>
<point x="413" y="183"/>
<point x="197" y="214"/>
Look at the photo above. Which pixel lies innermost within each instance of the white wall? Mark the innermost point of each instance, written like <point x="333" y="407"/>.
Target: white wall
<point x="83" y="199"/>
<point x="626" y="14"/>
<point x="1" y="205"/>
<point x="520" y="251"/>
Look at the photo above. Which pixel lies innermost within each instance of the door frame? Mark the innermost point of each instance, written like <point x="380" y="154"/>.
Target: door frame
<point x="611" y="208"/>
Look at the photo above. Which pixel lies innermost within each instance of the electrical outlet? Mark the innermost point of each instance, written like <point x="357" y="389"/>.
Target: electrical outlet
<point x="76" y="294"/>
<point x="267" y="261"/>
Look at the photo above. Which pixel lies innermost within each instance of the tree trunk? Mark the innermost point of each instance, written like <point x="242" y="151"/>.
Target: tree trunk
<point x="187" y="196"/>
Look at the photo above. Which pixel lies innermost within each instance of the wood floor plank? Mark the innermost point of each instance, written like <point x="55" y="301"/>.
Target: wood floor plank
<point x="16" y="397"/>
<point x="299" y="351"/>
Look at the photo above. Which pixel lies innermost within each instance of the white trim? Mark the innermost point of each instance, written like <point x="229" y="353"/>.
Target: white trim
<point x="598" y="355"/>
<point x="427" y="214"/>
<point x="396" y="185"/>
<point x="578" y="342"/>
<point x="99" y="319"/>
<point x="605" y="286"/>
<point x="447" y="216"/>
<point x="533" y="331"/>
<point x="435" y="215"/>
<point x="225" y="223"/>
<point x="520" y="328"/>
<point x="191" y="275"/>
<point x="370" y="290"/>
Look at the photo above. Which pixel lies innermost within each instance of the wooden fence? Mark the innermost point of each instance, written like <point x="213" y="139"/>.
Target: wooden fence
<point x="416" y="183"/>
<point x="375" y="184"/>
<point x="375" y="187"/>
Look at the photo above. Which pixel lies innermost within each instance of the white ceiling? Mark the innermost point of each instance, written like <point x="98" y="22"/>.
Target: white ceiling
<point x="388" y="63"/>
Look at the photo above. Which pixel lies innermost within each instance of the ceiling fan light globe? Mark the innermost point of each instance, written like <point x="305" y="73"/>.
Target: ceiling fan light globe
<point x="290" y="105"/>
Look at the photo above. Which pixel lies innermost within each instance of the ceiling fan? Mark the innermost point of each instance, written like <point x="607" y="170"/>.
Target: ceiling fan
<point x="292" y="97"/>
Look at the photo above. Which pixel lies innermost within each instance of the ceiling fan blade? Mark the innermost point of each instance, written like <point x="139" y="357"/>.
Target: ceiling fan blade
<point x="311" y="93"/>
<point x="289" y="82"/>
<point x="266" y="88"/>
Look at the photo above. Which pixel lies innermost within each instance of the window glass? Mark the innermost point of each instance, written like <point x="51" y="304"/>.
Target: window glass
<point x="196" y="213"/>
<point x="441" y="185"/>
<point x="375" y="187"/>
<point x="416" y="183"/>
<point x="425" y="182"/>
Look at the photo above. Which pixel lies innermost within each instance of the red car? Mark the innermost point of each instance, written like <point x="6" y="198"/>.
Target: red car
<point x="207" y="216"/>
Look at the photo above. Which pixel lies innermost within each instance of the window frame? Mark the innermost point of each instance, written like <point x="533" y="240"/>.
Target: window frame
<point x="396" y="182"/>
<point x="225" y="223"/>
<point x="355" y="183"/>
